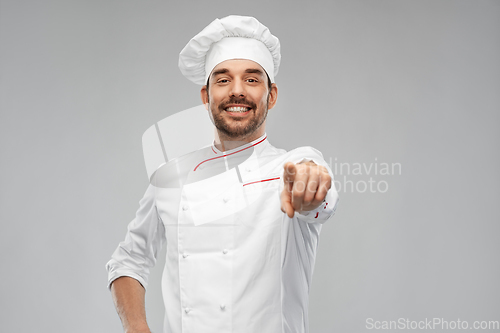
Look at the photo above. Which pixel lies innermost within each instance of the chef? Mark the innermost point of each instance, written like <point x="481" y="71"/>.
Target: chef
<point x="240" y="219"/>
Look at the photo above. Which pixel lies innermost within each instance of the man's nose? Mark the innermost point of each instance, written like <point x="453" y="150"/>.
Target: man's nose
<point x="237" y="88"/>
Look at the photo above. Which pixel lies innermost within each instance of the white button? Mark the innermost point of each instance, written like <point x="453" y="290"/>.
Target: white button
<point x="187" y="310"/>
<point x="224" y="251"/>
<point x="248" y="169"/>
<point x="184" y="255"/>
<point x="226" y="199"/>
<point x="222" y="306"/>
<point x="184" y="207"/>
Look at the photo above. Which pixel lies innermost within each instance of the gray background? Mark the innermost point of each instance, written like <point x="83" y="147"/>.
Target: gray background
<point x="409" y="82"/>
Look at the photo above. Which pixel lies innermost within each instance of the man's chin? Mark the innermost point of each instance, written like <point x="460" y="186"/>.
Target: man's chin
<point x="236" y="129"/>
<point x="236" y="132"/>
<point x="235" y="135"/>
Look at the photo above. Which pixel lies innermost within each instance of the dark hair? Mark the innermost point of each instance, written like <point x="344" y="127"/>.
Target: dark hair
<point x="269" y="83"/>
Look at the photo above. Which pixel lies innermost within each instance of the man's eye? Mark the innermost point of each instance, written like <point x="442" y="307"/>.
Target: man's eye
<point x="222" y="81"/>
<point x="252" y="80"/>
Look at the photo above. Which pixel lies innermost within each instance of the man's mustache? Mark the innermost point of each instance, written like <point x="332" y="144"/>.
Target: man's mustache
<point x="244" y="101"/>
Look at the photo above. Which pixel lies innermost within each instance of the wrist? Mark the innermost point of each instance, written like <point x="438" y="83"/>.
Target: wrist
<point x="138" y="328"/>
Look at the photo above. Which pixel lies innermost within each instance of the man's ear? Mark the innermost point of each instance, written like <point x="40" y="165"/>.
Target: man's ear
<point x="204" y="96"/>
<point x="273" y="96"/>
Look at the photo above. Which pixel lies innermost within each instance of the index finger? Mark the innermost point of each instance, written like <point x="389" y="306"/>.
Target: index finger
<point x="289" y="172"/>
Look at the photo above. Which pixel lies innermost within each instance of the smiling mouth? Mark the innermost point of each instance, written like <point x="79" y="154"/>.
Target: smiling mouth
<point x="237" y="109"/>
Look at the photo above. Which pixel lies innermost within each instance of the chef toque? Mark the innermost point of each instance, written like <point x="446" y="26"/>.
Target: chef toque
<point x="232" y="37"/>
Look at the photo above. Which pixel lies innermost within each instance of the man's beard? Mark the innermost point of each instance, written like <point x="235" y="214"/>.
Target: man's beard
<point x="234" y="132"/>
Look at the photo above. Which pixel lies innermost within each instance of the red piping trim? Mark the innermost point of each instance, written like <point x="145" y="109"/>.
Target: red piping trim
<point x="213" y="158"/>
<point x="260" y="181"/>
<point x="317" y="213"/>
<point x="213" y="149"/>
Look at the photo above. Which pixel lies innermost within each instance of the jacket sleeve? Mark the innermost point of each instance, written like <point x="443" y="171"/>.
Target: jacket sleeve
<point x="327" y="209"/>
<point x="144" y="239"/>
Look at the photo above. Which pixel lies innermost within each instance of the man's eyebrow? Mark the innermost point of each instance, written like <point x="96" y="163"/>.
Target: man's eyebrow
<point x="248" y="71"/>
<point x="254" y="71"/>
<point x="220" y="71"/>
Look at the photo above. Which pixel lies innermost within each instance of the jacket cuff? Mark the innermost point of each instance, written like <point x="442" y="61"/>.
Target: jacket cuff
<point x="113" y="275"/>
<point x="324" y="211"/>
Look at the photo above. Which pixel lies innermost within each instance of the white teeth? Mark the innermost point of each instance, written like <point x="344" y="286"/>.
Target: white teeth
<point x="237" y="109"/>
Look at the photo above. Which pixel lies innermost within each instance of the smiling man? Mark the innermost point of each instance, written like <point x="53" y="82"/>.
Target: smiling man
<point x="241" y="219"/>
<point x="241" y="95"/>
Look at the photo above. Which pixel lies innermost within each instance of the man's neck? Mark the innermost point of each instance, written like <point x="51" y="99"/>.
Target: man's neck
<point x="224" y="144"/>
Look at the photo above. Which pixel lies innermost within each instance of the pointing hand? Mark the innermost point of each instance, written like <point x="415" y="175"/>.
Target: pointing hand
<point x="306" y="186"/>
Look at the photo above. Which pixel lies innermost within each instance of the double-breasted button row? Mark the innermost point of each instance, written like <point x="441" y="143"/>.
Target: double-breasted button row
<point x="222" y="307"/>
<point x="185" y="255"/>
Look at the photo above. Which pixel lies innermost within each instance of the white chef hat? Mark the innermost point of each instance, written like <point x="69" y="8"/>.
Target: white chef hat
<point x="232" y="37"/>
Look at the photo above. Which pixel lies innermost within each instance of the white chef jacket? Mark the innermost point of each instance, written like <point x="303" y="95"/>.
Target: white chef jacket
<point x="235" y="262"/>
